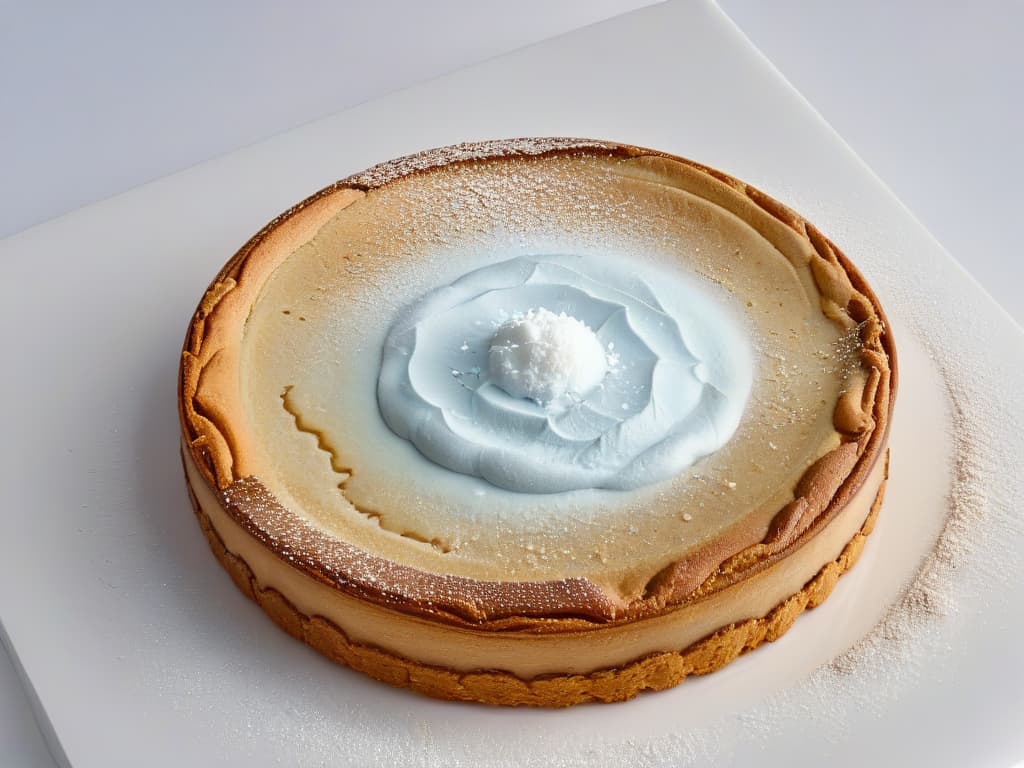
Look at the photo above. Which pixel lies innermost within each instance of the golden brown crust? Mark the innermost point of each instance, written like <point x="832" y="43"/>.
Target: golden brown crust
<point x="653" y="672"/>
<point x="499" y="605"/>
<point x="209" y="415"/>
<point x="208" y="410"/>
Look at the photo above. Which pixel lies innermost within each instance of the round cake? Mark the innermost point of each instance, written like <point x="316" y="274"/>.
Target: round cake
<point x="538" y="421"/>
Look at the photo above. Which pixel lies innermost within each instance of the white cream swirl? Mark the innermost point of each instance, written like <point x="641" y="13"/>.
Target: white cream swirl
<point x="674" y="392"/>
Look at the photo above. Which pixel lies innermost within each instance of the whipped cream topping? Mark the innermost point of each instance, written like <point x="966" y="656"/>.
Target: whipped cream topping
<point x="612" y="390"/>
<point x="544" y="357"/>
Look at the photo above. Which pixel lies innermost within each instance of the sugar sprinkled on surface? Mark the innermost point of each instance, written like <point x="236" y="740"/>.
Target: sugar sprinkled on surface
<point x="914" y="630"/>
<point x="381" y="174"/>
<point x="484" y="221"/>
<point x="385" y="726"/>
<point x="368" y="723"/>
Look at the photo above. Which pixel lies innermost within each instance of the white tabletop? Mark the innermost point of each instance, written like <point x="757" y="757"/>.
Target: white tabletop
<point x="927" y="100"/>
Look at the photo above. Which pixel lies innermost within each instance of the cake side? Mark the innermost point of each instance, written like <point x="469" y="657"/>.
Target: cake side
<point x="494" y="683"/>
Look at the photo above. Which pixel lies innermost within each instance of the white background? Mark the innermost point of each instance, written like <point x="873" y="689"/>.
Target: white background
<point x="100" y="97"/>
<point x="931" y="96"/>
<point x="98" y="101"/>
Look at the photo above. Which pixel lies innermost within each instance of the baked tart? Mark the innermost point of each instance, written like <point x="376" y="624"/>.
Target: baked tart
<point x="537" y="422"/>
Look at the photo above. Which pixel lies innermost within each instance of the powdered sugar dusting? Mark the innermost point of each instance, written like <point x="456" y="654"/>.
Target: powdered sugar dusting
<point x="339" y="717"/>
<point x="388" y="171"/>
<point x="342" y="717"/>
<point x="354" y="570"/>
<point x="404" y="243"/>
<point x="917" y="629"/>
<point x="928" y="597"/>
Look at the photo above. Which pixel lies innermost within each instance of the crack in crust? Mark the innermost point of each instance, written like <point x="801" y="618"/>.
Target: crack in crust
<point x="322" y="444"/>
<point x="654" y="672"/>
<point x="861" y="416"/>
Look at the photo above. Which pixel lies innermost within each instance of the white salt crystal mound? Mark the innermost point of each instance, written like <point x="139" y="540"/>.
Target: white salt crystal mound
<point x="543" y="356"/>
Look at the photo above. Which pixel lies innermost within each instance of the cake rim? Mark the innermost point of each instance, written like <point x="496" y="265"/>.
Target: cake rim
<point x="654" y="671"/>
<point x="571" y="604"/>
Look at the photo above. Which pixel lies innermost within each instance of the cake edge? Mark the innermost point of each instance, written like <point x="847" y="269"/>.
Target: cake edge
<point x="819" y="495"/>
<point x="652" y="672"/>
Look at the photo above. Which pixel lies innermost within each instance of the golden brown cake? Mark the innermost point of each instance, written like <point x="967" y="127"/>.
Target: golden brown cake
<point x="501" y="532"/>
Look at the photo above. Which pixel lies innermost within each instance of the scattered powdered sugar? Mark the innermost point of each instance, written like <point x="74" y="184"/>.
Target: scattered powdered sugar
<point x="928" y="596"/>
<point x="911" y="644"/>
<point x="905" y="646"/>
<point x="972" y="561"/>
<point x="340" y="718"/>
<point x="912" y="641"/>
<point x="381" y="174"/>
<point x="516" y="208"/>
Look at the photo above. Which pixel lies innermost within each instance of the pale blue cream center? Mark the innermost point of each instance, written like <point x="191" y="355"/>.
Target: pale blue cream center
<point x="676" y="377"/>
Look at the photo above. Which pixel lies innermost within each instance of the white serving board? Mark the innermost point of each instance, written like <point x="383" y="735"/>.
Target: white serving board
<point x="139" y="648"/>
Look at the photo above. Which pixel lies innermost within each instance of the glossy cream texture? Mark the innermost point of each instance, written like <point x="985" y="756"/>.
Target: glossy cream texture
<point x="673" y="391"/>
